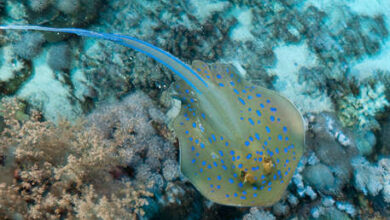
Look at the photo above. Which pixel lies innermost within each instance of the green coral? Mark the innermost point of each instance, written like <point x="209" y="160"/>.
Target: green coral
<point x="360" y="110"/>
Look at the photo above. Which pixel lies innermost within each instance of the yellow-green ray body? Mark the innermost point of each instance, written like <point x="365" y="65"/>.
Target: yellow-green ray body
<point x="239" y="144"/>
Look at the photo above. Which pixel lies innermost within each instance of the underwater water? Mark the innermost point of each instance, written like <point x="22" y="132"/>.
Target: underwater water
<point x="231" y="110"/>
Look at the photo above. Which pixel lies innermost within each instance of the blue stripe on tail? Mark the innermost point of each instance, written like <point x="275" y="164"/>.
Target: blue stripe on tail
<point x="122" y="40"/>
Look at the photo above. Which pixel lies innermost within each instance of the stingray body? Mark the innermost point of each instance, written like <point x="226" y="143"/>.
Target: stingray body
<point x="239" y="144"/>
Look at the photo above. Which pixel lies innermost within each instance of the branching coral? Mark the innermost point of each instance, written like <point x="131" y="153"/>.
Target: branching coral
<point x="361" y="110"/>
<point x="63" y="171"/>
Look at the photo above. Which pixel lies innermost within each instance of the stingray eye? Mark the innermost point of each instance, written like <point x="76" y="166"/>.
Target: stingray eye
<point x="242" y="174"/>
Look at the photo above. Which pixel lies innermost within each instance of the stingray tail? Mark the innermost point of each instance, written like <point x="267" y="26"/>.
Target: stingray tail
<point x="181" y="69"/>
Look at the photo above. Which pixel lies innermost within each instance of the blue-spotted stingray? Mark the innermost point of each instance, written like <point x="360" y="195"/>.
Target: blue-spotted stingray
<point x="239" y="143"/>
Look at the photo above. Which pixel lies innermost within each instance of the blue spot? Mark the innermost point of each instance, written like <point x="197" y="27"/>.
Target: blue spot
<point x="262" y="176"/>
<point x="218" y="186"/>
<point x="194" y="125"/>
<point x="241" y="100"/>
<point x="287" y="161"/>
<point x="211" y="141"/>
<point x="240" y="184"/>
<point x="233" y="159"/>
<point x="267" y="129"/>
<point x="235" y="175"/>
<point x="199" y="70"/>
<point x="219" y="76"/>
<point x="232" y="83"/>
<point x="251" y="121"/>
<point x="261" y="105"/>
<point x="250" y="138"/>
<point x="208" y="178"/>
<point x="201" y="145"/>
<point x="226" y="143"/>
<point x="222" y="161"/>
<point x="258" y="95"/>
<point x="284" y="129"/>
<point x="197" y="154"/>
<point x="187" y="91"/>
<point x="269" y="189"/>
<point x="197" y="141"/>
<point x="201" y="170"/>
<point x="181" y="123"/>
<point x="273" y="109"/>
<point x="265" y="143"/>
<point x="280" y="137"/>
<point x="269" y="183"/>
<point x="254" y="194"/>
<point x="277" y="160"/>
<point x="215" y="164"/>
<point x="190" y="139"/>
<point x="193" y="160"/>
<point x="241" y="118"/>
<point x="258" y="113"/>
<point x="236" y="91"/>
<point x="219" y="177"/>
<point x="254" y="188"/>
<point x="243" y="197"/>
<point x="285" y="150"/>
<point x="220" y="153"/>
<point x="209" y="166"/>
<point x="257" y="136"/>
<point x="286" y="138"/>
<point x="204" y="163"/>
<point x="244" y="192"/>
<point x="249" y="97"/>
<point x="268" y="101"/>
<point x="224" y="167"/>
<point x="232" y="152"/>
<point x="227" y="195"/>
<point x="213" y="136"/>
<point x="235" y="194"/>
<point x="192" y="148"/>
<point x="238" y="157"/>
<point x="272" y="118"/>
<point x="249" y="156"/>
<point x="247" y="143"/>
<point x="231" y="181"/>
<point x="249" y="109"/>
<point x="240" y="166"/>
<point x="191" y="100"/>
<point x="221" y="84"/>
<point x="221" y="138"/>
<point x="187" y="132"/>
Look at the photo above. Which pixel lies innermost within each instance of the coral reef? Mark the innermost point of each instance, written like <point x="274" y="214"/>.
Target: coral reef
<point x="330" y="58"/>
<point x="361" y="110"/>
<point x="29" y="45"/>
<point x="70" y="176"/>
<point x="59" y="57"/>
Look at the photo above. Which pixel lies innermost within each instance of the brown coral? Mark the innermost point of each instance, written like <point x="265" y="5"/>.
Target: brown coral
<point x="62" y="171"/>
